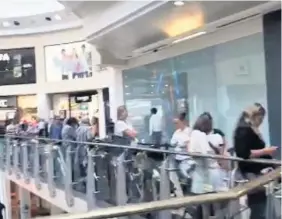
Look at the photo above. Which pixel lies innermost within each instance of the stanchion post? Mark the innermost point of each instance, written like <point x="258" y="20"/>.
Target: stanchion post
<point x="9" y="152"/>
<point x="121" y="195"/>
<point x="50" y="172"/>
<point x="37" y="165"/>
<point x="90" y="181"/>
<point x="68" y="177"/>
<point x="25" y="163"/>
<point x="16" y="160"/>
<point x="165" y="187"/>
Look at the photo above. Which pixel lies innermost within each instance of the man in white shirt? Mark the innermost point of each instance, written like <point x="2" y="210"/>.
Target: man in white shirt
<point x="155" y="127"/>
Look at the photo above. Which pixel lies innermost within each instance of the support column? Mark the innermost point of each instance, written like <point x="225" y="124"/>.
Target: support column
<point x="5" y="196"/>
<point x="102" y="121"/>
<point x="272" y="49"/>
<point x="43" y="106"/>
<point x="24" y="203"/>
<point x="116" y="94"/>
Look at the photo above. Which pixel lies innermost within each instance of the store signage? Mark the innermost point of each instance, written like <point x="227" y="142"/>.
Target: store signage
<point x="4" y="57"/>
<point x="83" y="99"/>
<point x="3" y="103"/>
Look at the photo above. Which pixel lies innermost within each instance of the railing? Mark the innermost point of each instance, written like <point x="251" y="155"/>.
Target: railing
<point x="176" y="203"/>
<point x="114" y="174"/>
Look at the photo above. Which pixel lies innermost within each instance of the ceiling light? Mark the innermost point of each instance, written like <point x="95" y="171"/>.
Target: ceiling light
<point x="189" y="37"/>
<point x="178" y="3"/>
<point x="58" y="17"/>
<point x="16" y="23"/>
<point x="6" y="24"/>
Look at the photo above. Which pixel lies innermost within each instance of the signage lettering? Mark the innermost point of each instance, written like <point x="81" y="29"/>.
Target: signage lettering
<point x="82" y="99"/>
<point x="3" y="103"/>
<point x="4" y="57"/>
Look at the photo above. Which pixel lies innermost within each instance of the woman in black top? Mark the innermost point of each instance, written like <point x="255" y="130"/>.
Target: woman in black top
<point x="248" y="143"/>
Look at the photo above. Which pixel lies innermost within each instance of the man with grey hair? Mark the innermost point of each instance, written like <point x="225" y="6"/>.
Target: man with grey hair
<point x="84" y="134"/>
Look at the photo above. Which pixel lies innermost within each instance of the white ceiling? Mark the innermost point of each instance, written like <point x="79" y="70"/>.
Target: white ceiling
<point x="19" y="17"/>
<point x="21" y="8"/>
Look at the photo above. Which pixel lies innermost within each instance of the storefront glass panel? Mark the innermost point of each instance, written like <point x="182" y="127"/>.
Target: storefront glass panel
<point x="222" y="79"/>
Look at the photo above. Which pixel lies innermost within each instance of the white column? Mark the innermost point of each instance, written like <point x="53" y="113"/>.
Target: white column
<point x="102" y="121"/>
<point x="25" y="204"/>
<point x="5" y="196"/>
<point x="116" y="93"/>
<point x="43" y="106"/>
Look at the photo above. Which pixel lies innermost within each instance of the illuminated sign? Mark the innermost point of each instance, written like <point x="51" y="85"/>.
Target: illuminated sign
<point x="4" y="57"/>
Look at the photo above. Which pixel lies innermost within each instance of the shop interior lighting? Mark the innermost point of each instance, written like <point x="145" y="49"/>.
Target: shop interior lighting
<point x="189" y="37"/>
<point x="6" y="24"/>
<point x="178" y="3"/>
<point x="58" y="17"/>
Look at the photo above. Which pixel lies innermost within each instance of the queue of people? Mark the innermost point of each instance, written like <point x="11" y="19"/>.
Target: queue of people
<point x="202" y="138"/>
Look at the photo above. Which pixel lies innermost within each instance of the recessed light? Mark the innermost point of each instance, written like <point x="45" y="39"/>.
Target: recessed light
<point x="58" y="17"/>
<point x="178" y="3"/>
<point x="6" y="24"/>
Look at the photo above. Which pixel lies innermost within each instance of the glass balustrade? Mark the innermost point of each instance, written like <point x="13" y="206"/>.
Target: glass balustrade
<point x="106" y="175"/>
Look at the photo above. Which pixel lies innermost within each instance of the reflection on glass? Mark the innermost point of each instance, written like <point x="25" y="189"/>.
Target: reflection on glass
<point x="222" y="80"/>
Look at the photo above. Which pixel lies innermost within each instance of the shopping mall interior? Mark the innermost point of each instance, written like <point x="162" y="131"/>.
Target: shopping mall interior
<point x="84" y="59"/>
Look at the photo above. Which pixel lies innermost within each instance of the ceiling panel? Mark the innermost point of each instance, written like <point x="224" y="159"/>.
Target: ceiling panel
<point x="165" y="22"/>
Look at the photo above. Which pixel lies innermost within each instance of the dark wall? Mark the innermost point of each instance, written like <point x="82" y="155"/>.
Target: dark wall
<point x="272" y="48"/>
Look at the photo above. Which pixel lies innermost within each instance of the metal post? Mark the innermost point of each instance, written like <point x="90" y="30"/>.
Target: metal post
<point x="68" y="178"/>
<point x="25" y="163"/>
<point x="16" y="163"/>
<point x="9" y="152"/>
<point x="121" y="195"/>
<point x="50" y="172"/>
<point x="270" y="201"/>
<point x="90" y="185"/>
<point x="37" y="165"/>
<point x="24" y="203"/>
<point x="165" y="187"/>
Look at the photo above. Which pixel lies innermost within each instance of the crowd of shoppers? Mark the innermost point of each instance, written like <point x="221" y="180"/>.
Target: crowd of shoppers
<point x="202" y="138"/>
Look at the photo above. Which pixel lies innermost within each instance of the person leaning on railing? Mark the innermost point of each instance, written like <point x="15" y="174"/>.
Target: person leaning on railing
<point x="249" y="143"/>
<point x="124" y="132"/>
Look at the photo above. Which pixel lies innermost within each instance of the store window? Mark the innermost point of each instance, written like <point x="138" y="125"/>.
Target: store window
<point x="17" y="66"/>
<point x="222" y="79"/>
<point x="28" y="105"/>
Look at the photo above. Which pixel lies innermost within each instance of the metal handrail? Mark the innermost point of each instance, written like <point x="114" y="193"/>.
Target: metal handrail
<point x="161" y="151"/>
<point x="173" y="203"/>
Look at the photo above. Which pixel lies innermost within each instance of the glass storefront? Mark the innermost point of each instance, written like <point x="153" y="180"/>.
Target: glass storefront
<point x="222" y="79"/>
<point x="17" y="66"/>
<point x="77" y="105"/>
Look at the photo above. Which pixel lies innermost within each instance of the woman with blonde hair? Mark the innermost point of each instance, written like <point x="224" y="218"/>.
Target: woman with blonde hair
<point x="124" y="132"/>
<point x="249" y="143"/>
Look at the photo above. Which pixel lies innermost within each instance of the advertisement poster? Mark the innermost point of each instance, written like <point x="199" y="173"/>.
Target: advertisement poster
<point x="68" y="61"/>
<point x="17" y="66"/>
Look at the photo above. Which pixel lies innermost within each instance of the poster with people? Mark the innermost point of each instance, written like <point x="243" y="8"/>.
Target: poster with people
<point x="68" y="61"/>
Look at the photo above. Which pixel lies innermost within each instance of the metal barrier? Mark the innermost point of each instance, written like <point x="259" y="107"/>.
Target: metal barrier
<point x="174" y="203"/>
<point x="107" y="174"/>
